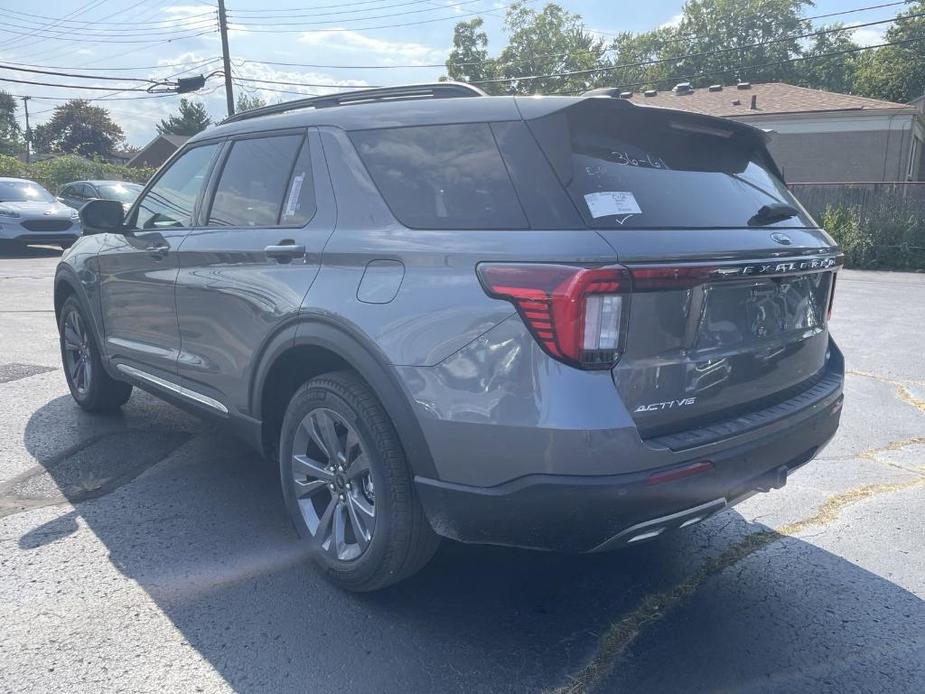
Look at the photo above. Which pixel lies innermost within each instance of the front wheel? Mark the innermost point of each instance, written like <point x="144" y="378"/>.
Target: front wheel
<point x="91" y="387"/>
<point x="348" y="488"/>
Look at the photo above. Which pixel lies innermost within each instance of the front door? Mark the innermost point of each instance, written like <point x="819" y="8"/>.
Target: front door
<point x="269" y="215"/>
<point x="138" y="270"/>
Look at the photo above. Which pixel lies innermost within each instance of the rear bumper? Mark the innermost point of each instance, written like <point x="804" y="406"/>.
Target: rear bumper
<point x="581" y="513"/>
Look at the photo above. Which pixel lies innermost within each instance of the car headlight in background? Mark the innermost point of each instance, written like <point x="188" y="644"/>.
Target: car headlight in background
<point x="75" y="215"/>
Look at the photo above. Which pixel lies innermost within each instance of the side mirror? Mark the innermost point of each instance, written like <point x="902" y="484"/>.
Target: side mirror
<point x="102" y="216"/>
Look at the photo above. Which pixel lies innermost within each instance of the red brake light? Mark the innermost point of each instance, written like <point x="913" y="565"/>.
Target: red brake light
<point x="828" y="314"/>
<point x="576" y="313"/>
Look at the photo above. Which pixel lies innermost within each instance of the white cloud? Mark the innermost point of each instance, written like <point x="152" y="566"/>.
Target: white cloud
<point x="869" y="36"/>
<point x="675" y="21"/>
<point x="388" y="51"/>
<point x="187" y="10"/>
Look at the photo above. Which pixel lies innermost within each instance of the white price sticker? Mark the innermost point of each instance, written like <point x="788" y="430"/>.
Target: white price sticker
<point x="612" y="202"/>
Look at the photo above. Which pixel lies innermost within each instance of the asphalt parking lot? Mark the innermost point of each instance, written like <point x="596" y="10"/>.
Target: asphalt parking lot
<point x="149" y="551"/>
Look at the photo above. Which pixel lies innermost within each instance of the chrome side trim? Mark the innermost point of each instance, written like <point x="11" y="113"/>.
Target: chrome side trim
<point x="173" y="387"/>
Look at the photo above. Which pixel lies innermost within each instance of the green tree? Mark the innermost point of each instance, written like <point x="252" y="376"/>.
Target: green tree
<point x="638" y="52"/>
<point x="896" y="73"/>
<point x="469" y="61"/>
<point x="10" y="133"/>
<point x="76" y="127"/>
<point x="191" y="119"/>
<point x="717" y="39"/>
<point x="247" y="102"/>
<point x="836" y="73"/>
<point x="539" y="42"/>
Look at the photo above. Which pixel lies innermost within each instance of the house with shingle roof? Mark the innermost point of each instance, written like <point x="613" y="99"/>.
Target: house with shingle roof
<point x="820" y="136"/>
<point x="158" y="150"/>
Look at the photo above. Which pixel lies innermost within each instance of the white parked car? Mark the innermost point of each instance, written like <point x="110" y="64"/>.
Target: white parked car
<point x="30" y="214"/>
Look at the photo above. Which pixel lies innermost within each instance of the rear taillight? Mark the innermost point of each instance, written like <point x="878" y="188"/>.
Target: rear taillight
<point x="576" y="313"/>
<point x="828" y="315"/>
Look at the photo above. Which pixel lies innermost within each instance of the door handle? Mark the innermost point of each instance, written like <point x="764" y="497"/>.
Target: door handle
<point x="157" y="249"/>
<point x="284" y="252"/>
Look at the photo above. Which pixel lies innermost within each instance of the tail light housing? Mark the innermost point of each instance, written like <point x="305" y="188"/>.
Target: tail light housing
<point x="577" y="314"/>
<point x="828" y="313"/>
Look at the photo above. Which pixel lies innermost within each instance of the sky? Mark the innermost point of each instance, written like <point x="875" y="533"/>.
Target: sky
<point x="332" y="44"/>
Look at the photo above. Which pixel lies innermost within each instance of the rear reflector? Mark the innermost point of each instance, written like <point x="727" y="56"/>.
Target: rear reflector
<point x="678" y="473"/>
<point x="577" y="314"/>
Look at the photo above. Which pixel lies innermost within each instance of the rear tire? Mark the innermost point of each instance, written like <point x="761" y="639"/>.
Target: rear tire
<point x="348" y="488"/>
<point x="91" y="387"/>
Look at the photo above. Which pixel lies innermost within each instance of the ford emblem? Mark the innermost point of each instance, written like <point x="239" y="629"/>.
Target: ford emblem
<point x="780" y="238"/>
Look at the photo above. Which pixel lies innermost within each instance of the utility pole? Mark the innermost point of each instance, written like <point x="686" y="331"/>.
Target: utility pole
<point x="25" y="104"/>
<point x="226" y="59"/>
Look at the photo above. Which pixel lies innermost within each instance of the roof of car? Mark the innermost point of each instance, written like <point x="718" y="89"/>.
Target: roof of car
<point x="411" y="112"/>
<point x="13" y="179"/>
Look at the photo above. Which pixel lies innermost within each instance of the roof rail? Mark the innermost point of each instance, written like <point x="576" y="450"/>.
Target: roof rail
<point x="435" y="90"/>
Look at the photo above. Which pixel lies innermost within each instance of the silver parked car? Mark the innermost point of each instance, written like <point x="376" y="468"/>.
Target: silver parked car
<point x="30" y="214"/>
<point x="78" y="193"/>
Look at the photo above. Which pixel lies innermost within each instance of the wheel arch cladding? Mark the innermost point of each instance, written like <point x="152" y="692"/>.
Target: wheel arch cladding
<point x="315" y="347"/>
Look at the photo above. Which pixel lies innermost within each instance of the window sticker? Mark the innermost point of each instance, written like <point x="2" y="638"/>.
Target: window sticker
<point x="293" y="200"/>
<point x="612" y="202"/>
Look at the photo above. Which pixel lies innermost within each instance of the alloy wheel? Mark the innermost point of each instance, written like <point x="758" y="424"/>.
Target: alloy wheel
<point x="77" y="351"/>
<point x="332" y="484"/>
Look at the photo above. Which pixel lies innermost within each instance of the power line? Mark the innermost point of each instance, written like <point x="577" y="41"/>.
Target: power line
<point x="76" y="75"/>
<point x="84" y="22"/>
<point x="70" y="86"/>
<point x="304" y="84"/>
<point x="110" y="69"/>
<point x="543" y="55"/>
<point x="373" y="28"/>
<point x="432" y="8"/>
<point x="302" y="10"/>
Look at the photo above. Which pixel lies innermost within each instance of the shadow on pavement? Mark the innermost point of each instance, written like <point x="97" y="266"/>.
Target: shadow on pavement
<point x="204" y="533"/>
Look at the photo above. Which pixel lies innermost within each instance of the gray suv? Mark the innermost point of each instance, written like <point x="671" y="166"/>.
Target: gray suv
<point x="567" y="323"/>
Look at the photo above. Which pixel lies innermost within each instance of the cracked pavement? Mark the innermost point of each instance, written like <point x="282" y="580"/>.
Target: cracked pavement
<point x="148" y="551"/>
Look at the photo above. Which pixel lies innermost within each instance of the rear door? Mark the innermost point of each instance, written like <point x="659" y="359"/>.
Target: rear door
<point x="138" y="270"/>
<point x="729" y="305"/>
<point x="246" y="271"/>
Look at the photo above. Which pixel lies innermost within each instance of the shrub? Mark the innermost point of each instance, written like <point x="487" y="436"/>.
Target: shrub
<point x="54" y="173"/>
<point x="878" y="237"/>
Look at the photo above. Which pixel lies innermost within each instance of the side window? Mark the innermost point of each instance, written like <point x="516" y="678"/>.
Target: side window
<point x="67" y="192"/>
<point x="253" y="182"/>
<point x="170" y="202"/>
<point x="87" y="191"/>
<point x="441" y="176"/>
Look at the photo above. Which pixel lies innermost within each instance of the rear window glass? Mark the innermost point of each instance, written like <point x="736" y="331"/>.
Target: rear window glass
<point x="253" y="181"/>
<point x="626" y="169"/>
<point x="441" y="176"/>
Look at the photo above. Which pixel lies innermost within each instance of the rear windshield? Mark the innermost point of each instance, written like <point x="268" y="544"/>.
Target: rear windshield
<point x="23" y="191"/>
<point x="441" y="176"/>
<point x="122" y="192"/>
<point x="642" y="168"/>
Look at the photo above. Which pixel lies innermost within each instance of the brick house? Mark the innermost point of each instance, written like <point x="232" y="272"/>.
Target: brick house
<point x="821" y="136"/>
<point x="158" y="150"/>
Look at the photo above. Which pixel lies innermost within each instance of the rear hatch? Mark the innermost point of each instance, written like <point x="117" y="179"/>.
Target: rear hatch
<point x="731" y="278"/>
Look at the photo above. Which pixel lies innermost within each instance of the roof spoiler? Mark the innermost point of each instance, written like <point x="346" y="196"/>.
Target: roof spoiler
<point x="703" y="119"/>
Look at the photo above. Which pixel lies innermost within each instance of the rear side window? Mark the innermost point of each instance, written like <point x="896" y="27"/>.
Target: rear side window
<point x="645" y="168"/>
<point x="253" y="181"/>
<point x="441" y="176"/>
